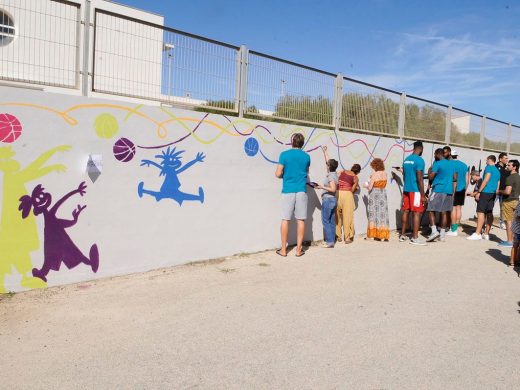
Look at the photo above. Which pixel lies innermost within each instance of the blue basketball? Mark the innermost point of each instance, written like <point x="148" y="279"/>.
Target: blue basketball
<point x="251" y="147"/>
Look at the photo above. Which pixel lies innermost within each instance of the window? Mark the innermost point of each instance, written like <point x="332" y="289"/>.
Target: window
<point x="7" y="29"/>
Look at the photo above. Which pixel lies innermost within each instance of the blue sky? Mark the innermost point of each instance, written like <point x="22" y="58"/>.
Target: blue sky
<point x="464" y="53"/>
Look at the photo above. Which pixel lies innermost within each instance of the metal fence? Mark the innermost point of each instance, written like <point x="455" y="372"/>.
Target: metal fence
<point x="39" y="42"/>
<point x="43" y="41"/>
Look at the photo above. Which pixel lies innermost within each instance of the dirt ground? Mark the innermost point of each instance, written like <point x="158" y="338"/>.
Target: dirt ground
<point x="369" y="315"/>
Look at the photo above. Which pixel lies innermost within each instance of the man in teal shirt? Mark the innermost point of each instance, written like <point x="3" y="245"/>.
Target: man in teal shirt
<point x="293" y="168"/>
<point x="460" y="192"/>
<point x="485" y="198"/>
<point x="444" y="183"/>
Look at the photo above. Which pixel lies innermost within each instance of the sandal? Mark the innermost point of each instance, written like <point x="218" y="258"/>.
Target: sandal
<point x="279" y="253"/>
<point x="301" y="254"/>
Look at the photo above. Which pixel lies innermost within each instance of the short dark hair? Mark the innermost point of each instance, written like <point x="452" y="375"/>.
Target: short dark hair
<point x="503" y="154"/>
<point x="515" y="163"/>
<point x="439" y="151"/>
<point x="297" y="140"/>
<point x="447" y="149"/>
<point x="493" y="158"/>
<point x="333" y="165"/>
<point x="418" y="145"/>
<point x="356" y="168"/>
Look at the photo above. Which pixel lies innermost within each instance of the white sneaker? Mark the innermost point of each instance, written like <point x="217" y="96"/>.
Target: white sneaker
<point x="474" y="237"/>
<point x="433" y="236"/>
<point x="417" y="241"/>
<point x="485" y="237"/>
<point x="442" y="238"/>
<point x="403" y="238"/>
<point x="452" y="234"/>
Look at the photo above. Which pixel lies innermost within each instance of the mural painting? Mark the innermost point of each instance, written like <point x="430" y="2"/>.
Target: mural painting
<point x="58" y="247"/>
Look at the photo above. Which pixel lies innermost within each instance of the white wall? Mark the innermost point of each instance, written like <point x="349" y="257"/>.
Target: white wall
<point x="241" y="208"/>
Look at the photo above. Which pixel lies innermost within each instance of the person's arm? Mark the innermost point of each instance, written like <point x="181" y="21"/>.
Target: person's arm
<point x="330" y="188"/>
<point x="467" y="180"/>
<point x="487" y="177"/>
<point x="420" y="184"/>
<point x="279" y="171"/>
<point x="325" y="154"/>
<point x="355" y="186"/>
<point x="371" y="183"/>
<point x="455" y="178"/>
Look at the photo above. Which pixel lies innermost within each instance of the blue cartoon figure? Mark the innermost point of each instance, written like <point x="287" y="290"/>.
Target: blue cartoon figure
<point x="170" y="167"/>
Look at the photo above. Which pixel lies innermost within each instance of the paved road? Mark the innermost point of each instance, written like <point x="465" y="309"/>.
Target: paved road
<point x="363" y="316"/>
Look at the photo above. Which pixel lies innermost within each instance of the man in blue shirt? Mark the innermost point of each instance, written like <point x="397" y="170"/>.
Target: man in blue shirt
<point x="485" y="198"/>
<point x="444" y="184"/>
<point x="413" y="193"/>
<point x="459" y="197"/>
<point x="293" y="169"/>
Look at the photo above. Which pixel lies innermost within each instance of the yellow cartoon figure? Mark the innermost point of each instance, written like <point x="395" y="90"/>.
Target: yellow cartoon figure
<point x="18" y="236"/>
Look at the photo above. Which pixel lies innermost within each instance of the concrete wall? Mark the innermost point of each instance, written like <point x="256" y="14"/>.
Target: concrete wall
<point x="48" y="138"/>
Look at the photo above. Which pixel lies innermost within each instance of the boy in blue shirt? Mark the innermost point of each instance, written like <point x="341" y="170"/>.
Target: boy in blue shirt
<point x="485" y="198"/>
<point x="459" y="196"/>
<point x="293" y="169"/>
<point x="444" y="183"/>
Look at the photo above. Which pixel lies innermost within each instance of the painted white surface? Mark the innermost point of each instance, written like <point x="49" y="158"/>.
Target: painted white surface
<point x="241" y="208"/>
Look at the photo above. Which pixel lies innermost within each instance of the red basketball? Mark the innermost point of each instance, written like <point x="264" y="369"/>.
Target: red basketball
<point x="124" y="150"/>
<point x="10" y="128"/>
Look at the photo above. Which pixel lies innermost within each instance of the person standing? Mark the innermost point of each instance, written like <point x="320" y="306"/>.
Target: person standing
<point x="444" y="183"/>
<point x="413" y="193"/>
<point x="459" y="197"/>
<point x="485" y="197"/>
<point x="293" y="169"/>
<point x="348" y="183"/>
<point x="510" y="200"/>
<point x="378" y="220"/>
<point x="504" y="173"/>
<point x="328" y="201"/>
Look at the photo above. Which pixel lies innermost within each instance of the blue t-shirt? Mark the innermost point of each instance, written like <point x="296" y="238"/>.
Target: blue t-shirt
<point x="491" y="186"/>
<point x="295" y="167"/>
<point x="411" y="165"/>
<point x="462" y="170"/>
<point x="443" y="180"/>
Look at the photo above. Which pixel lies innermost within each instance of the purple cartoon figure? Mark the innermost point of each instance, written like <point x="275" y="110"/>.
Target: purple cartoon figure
<point x="57" y="245"/>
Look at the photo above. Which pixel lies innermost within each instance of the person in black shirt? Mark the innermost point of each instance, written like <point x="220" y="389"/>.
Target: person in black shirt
<point x="504" y="173"/>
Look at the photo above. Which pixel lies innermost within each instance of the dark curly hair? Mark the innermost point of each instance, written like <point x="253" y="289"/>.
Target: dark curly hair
<point x="377" y="164"/>
<point x="356" y="168"/>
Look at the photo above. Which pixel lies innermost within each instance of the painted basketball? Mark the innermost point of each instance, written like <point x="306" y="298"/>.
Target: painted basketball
<point x="10" y="128"/>
<point x="124" y="150"/>
<point x="251" y="147"/>
<point x="106" y="125"/>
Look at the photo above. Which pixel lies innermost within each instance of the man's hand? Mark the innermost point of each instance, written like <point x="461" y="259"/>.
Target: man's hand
<point x="477" y="196"/>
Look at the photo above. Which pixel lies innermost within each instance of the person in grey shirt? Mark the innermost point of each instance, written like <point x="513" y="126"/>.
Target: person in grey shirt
<point x="328" y="201"/>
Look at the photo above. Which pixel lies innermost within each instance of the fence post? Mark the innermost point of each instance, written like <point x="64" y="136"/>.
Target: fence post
<point x="509" y="134"/>
<point x="241" y="81"/>
<point x="482" y="132"/>
<point x="85" y="71"/>
<point x="337" y="105"/>
<point x="447" y="135"/>
<point x="402" y="111"/>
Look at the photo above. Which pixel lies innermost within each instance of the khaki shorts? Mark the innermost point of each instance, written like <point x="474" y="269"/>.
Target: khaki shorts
<point x="508" y="210"/>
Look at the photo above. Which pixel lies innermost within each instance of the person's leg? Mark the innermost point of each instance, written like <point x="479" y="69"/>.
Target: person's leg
<point x="339" y="216"/>
<point x="284" y="233"/>
<point x="328" y="207"/>
<point x="433" y="222"/>
<point x="300" y="213"/>
<point x="416" y="224"/>
<point x="514" y="254"/>
<point x="509" y="231"/>
<point x="404" y="221"/>
<point x="300" y="231"/>
<point x="348" y="212"/>
<point x="481" y="217"/>
<point x="288" y="204"/>
<point x="489" y="217"/>
<point x="444" y="220"/>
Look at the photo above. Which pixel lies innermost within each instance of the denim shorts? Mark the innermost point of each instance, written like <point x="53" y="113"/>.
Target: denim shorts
<point x="294" y="202"/>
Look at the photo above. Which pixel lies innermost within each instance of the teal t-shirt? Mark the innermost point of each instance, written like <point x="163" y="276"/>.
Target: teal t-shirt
<point x="295" y="167"/>
<point x="443" y="180"/>
<point x="462" y="170"/>
<point x="411" y="165"/>
<point x="491" y="186"/>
